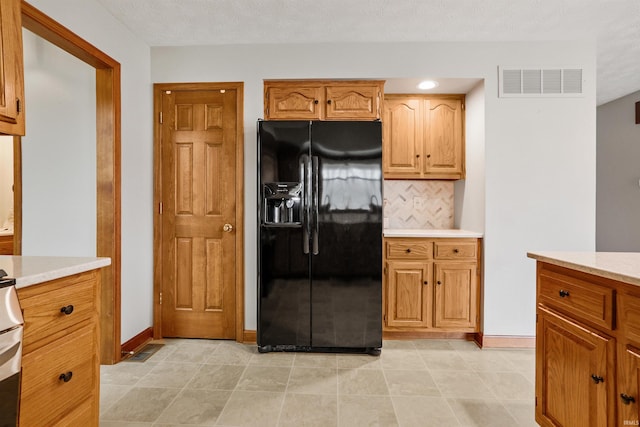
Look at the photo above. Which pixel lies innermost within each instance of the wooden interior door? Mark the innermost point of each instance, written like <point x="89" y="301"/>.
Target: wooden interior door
<point x="198" y="202"/>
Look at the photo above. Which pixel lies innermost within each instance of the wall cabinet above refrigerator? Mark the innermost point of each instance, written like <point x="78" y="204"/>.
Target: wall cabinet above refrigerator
<point x="423" y="137"/>
<point x="323" y="99"/>
<point x="11" y="69"/>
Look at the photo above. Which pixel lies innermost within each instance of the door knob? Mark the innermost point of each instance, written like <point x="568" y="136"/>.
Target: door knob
<point x="227" y="228"/>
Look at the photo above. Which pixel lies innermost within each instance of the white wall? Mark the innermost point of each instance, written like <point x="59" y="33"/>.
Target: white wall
<point x="91" y="21"/>
<point x="469" y="193"/>
<point x="618" y="176"/>
<point x="539" y="153"/>
<point x="58" y="152"/>
<point x="6" y="177"/>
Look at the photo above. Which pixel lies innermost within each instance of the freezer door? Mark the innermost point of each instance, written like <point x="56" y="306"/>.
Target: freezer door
<point x="346" y="265"/>
<point x="283" y="235"/>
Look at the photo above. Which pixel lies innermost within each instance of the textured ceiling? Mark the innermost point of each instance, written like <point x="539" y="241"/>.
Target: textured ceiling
<point x="614" y="24"/>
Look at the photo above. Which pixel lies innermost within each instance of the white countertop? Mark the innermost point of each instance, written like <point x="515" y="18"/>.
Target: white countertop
<point x="31" y="270"/>
<point x="416" y="232"/>
<point x="621" y="266"/>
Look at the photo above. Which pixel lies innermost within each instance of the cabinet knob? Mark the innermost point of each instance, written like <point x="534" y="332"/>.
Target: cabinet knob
<point x="626" y="399"/>
<point x="455" y="251"/>
<point x="596" y="379"/>
<point x="315" y="101"/>
<point x="408" y="251"/>
<point x="417" y="156"/>
<point x="425" y="282"/>
<point x="67" y="309"/>
<point x="66" y="377"/>
<point x="439" y="282"/>
<point x="329" y="101"/>
<point x="428" y="156"/>
<point x="563" y="293"/>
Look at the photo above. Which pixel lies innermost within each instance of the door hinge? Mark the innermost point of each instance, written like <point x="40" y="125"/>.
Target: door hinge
<point x="18" y="106"/>
<point x="160" y="117"/>
<point x="385" y="318"/>
<point x="160" y="298"/>
<point x="160" y="207"/>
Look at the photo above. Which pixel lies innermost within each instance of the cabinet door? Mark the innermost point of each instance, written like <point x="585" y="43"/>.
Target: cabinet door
<point x="408" y="294"/>
<point x="456" y="295"/>
<point x="443" y="138"/>
<point x="11" y="69"/>
<point x="402" y="138"/>
<point x="352" y="102"/>
<point x="629" y="386"/>
<point x="293" y="102"/>
<point x="575" y="376"/>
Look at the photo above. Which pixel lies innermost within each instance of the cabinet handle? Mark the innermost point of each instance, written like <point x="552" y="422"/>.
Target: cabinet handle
<point x="563" y="293"/>
<point x="626" y="399"/>
<point x="67" y="309"/>
<point x="439" y="282"/>
<point x="408" y="251"/>
<point x="596" y="379"/>
<point x="66" y="377"/>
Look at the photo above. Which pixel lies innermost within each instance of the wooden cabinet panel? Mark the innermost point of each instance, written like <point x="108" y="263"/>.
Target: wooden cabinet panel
<point x="574" y="376"/>
<point x="584" y="300"/>
<point x="60" y="364"/>
<point x="409" y="294"/>
<point x="353" y="102"/>
<point x="628" y="393"/>
<point x="408" y="249"/>
<point x="323" y="99"/>
<point x="11" y="69"/>
<point x="291" y="103"/>
<point x="460" y="250"/>
<point x="402" y="136"/>
<point x="56" y="377"/>
<point x="423" y="136"/>
<point x="456" y="298"/>
<point x="629" y="315"/>
<point x="423" y="295"/>
<point x="443" y="140"/>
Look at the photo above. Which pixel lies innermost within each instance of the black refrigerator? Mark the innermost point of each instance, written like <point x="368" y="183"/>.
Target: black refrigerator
<point x="320" y="236"/>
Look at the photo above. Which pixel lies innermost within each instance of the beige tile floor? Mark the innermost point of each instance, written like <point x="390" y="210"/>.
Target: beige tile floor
<point x="419" y="383"/>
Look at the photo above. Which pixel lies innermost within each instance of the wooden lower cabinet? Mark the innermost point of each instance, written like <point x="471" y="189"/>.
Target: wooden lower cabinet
<point x="431" y="285"/>
<point x="60" y="363"/>
<point x="587" y="349"/>
<point x="574" y="378"/>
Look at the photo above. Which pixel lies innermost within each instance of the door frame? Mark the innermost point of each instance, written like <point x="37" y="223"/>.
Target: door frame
<point x="108" y="135"/>
<point x="158" y="88"/>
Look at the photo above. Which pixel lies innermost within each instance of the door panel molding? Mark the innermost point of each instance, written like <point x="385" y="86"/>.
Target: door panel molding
<point x="158" y="89"/>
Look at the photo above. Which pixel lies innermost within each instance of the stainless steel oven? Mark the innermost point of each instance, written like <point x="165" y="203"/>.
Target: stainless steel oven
<point x="11" y="324"/>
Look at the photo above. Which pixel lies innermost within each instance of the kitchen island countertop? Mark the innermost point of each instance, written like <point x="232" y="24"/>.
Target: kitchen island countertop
<point x="31" y="270"/>
<point x="430" y="233"/>
<point x="621" y="266"/>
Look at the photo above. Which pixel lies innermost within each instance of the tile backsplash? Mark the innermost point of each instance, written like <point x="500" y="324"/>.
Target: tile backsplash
<point x="418" y="204"/>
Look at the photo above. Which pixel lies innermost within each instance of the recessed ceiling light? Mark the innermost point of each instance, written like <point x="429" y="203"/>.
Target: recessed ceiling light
<point x="427" y="84"/>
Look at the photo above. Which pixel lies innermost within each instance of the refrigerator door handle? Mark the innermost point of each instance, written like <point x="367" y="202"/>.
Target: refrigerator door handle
<point x="305" y="174"/>
<point x="314" y="162"/>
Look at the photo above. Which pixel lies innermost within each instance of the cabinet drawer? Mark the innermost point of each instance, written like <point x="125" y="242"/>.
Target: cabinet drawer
<point x="580" y="299"/>
<point x="629" y="317"/>
<point x="43" y="312"/>
<point x="455" y="250"/>
<point x="409" y="249"/>
<point x="45" y="395"/>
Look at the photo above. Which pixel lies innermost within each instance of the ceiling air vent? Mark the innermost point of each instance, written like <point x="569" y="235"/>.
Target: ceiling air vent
<point x="523" y="82"/>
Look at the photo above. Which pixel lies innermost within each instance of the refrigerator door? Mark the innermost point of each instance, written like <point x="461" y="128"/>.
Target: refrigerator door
<point x="346" y="265"/>
<point x="283" y="236"/>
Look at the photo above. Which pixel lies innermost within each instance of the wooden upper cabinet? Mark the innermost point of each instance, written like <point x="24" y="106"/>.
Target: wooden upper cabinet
<point x="11" y="69"/>
<point x="443" y="139"/>
<point x="322" y="99"/>
<point x="402" y="128"/>
<point x="423" y="137"/>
